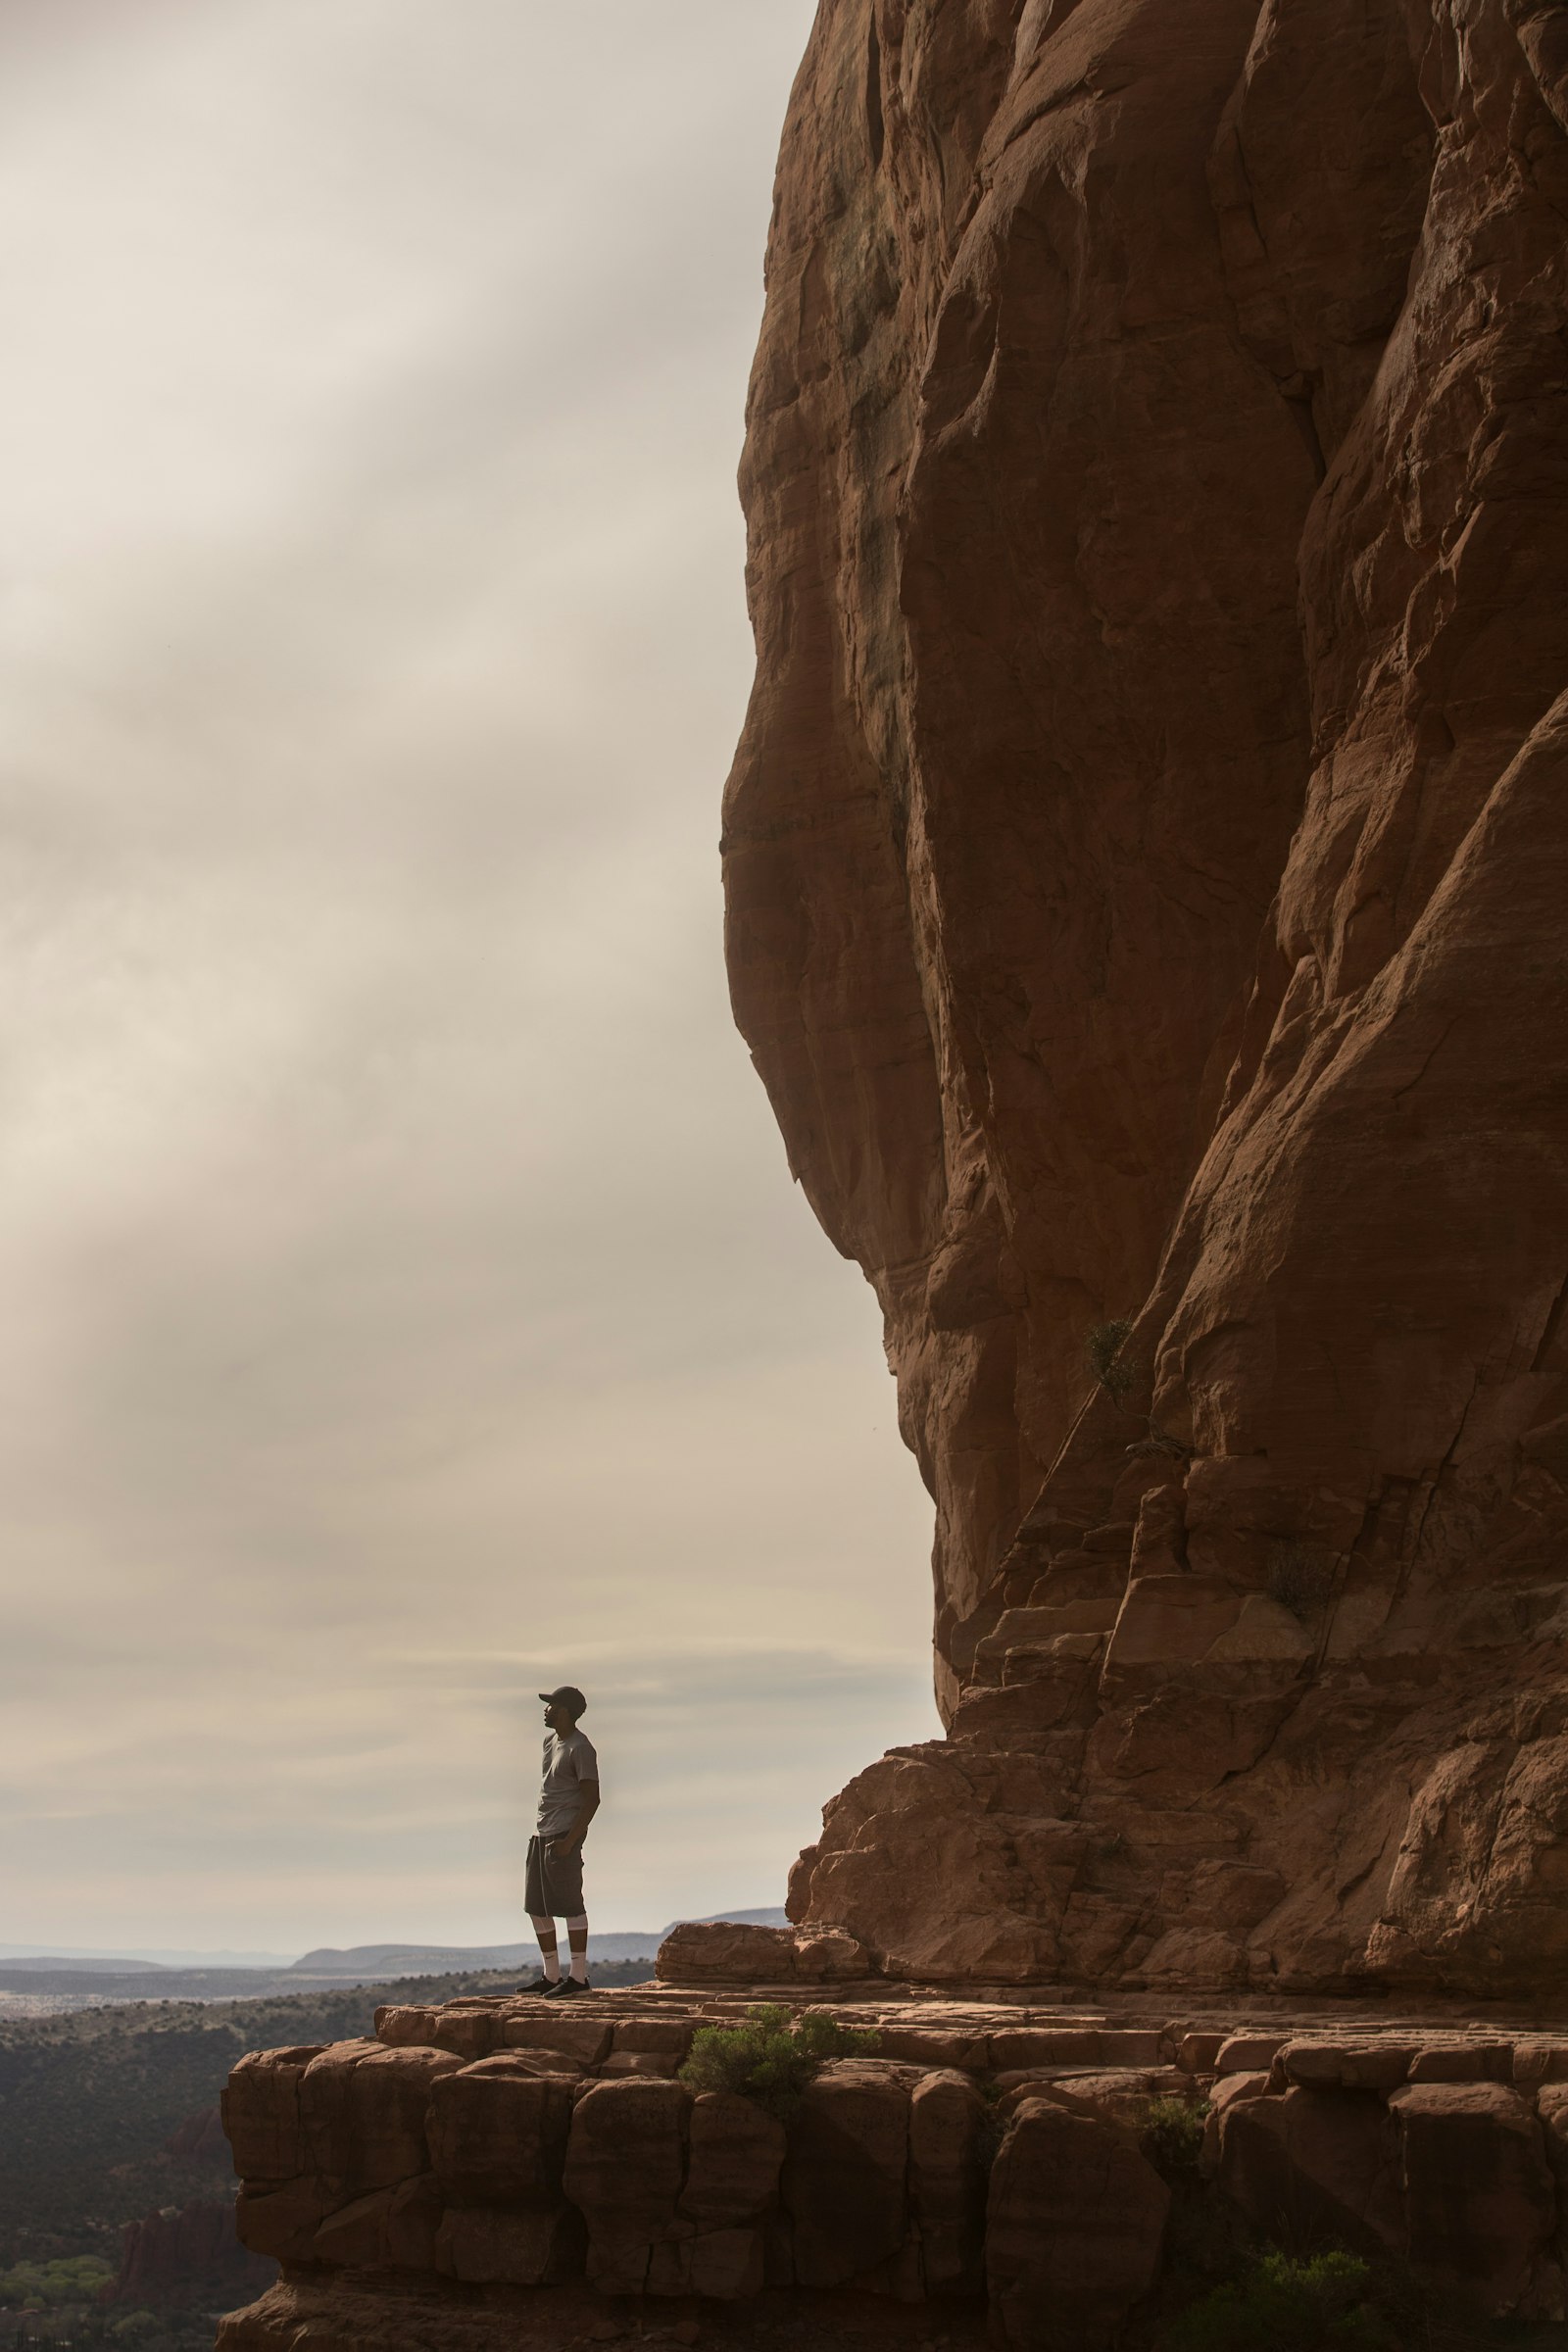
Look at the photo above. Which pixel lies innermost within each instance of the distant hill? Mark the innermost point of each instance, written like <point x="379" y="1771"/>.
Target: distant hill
<point x="628" y="1944"/>
<point x="78" y="1963"/>
<point x="775" y="1916"/>
<point x="123" y="1955"/>
<point x="69" y="1983"/>
<point x="405" y="1959"/>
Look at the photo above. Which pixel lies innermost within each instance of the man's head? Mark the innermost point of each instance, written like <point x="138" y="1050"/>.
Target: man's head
<point x="563" y="1708"/>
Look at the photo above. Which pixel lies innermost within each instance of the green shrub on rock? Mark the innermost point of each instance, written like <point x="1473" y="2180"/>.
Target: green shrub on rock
<point x="1171" y="2137"/>
<point x="769" y="2059"/>
<point x="1102" y="1349"/>
<point x="1285" y="2306"/>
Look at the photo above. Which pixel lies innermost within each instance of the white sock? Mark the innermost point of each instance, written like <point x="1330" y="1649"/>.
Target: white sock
<point x="549" y="1953"/>
<point x="576" y="1928"/>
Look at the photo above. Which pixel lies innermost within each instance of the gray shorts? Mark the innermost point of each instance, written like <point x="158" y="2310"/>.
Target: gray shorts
<point x="554" y="1882"/>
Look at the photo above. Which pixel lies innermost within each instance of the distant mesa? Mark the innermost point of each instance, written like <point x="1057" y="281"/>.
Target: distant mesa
<point x="409" y="1958"/>
<point x="198" y="2139"/>
<point x="121" y="1960"/>
<point x="31" y="1963"/>
<point x="428" y="1959"/>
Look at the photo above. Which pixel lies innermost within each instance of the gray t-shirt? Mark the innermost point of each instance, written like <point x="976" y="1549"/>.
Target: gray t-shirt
<point x="569" y="1762"/>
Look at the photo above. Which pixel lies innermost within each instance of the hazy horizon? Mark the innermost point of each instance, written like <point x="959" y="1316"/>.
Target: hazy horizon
<point x="182" y="1957"/>
<point x="409" y="1305"/>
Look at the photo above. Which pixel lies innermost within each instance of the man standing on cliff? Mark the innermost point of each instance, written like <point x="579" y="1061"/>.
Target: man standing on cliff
<point x="569" y="1800"/>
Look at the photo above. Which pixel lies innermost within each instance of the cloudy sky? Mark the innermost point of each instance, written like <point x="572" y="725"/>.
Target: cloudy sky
<point x="406" y="1304"/>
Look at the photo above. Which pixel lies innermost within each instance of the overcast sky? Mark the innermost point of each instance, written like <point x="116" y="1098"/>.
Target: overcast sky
<point x="406" y="1304"/>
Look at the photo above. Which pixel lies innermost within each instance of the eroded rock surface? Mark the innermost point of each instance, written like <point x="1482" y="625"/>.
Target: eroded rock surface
<point x="184" y="2254"/>
<point x="1148" y="892"/>
<point x="984" y="2151"/>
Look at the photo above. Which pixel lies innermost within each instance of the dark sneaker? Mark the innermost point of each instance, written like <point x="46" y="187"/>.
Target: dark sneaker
<point x="539" y="1983"/>
<point x="566" y="1989"/>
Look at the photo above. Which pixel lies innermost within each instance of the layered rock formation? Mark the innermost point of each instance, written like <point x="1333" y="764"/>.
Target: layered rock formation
<point x="1146" y="865"/>
<point x="185" y="2254"/>
<point x="454" y="2184"/>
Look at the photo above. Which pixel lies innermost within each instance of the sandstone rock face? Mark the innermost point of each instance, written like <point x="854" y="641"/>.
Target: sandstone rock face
<point x="188" y="2254"/>
<point x="498" y="2132"/>
<point x="625" y="2169"/>
<point x="198" y="2139"/>
<point x="949" y="2173"/>
<point x="721" y="1952"/>
<point x="846" y="2177"/>
<point x="1076" y="2223"/>
<point x="1148" y="891"/>
<point x="1457" y="2177"/>
<point x="543" y="2178"/>
<point x="1480" y="2202"/>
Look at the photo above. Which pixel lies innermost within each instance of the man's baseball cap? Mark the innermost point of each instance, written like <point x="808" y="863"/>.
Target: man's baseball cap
<point x="567" y="1696"/>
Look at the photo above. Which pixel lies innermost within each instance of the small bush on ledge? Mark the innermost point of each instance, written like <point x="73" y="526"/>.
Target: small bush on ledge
<point x="1299" y="1579"/>
<point x="1102" y="1349"/>
<point x="769" y="2059"/>
<point x="1172" y="2137"/>
<point x="1286" y="2306"/>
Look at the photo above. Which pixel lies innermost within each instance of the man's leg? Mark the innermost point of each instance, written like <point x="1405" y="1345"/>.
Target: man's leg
<point x="563" y="1879"/>
<point x="549" y="1955"/>
<point x="536" y="1897"/>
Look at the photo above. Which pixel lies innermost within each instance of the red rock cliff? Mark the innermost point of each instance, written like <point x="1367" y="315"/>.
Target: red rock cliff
<point x="1148" y="901"/>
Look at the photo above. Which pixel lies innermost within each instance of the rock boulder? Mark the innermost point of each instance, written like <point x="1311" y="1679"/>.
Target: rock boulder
<point x="1074" y="2230"/>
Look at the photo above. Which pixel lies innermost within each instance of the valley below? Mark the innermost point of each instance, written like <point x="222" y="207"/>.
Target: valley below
<point x="109" y="2119"/>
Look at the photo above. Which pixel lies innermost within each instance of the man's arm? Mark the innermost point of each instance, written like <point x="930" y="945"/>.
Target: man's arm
<point x="587" y="1808"/>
